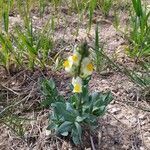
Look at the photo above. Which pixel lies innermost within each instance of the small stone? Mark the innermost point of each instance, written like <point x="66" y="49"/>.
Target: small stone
<point x="47" y="132"/>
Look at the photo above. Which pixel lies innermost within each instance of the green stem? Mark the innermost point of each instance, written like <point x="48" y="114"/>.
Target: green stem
<point x="80" y="104"/>
<point x="79" y="69"/>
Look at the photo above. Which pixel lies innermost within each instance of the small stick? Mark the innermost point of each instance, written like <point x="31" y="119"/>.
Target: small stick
<point x="10" y="89"/>
<point x="92" y="143"/>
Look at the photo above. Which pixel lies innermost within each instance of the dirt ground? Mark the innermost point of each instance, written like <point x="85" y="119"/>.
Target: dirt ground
<point x="124" y="127"/>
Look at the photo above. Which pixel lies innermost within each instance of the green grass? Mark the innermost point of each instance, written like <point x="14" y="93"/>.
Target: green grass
<point x="105" y="6"/>
<point x="99" y="60"/>
<point x="24" y="46"/>
<point x="140" y="31"/>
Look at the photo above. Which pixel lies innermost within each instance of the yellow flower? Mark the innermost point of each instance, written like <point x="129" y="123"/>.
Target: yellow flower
<point x="77" y="85"/>
<point x="90" y="67"/>
<point x="86" y="67"/>
<point x="72" y="61"/>
<point x="68" y="64"/>
<point x="76" y="57"/>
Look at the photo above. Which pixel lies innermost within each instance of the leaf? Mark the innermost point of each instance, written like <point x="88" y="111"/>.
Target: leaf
<point x="102" y="108"/>
<point x="95" y="96"/>
<point x="51" y="126"/>
<point x="75" y="136"/>
<point x="46" y="102"/>
<point x="99" y="111"/>
<point x="64" y="128"/>
<point x="64" y="134"/>
<point x="108" y="98"/>
<point x="99" y="102"/>
<point x="102" y="98"/>
<point x="80" y="119"/>
<point x="52" y="84"/>
<point x="74" y="100"/>
<point x="60" y="109"/>
<point x="69" y="107"/>
<point x="50" y="93"/>
<point x="79" y="130"/>
<point x="6" y="17"/>
<point x="92" y="6"/>
<point x="91" y="120"/>
<point x="137" y="7"/>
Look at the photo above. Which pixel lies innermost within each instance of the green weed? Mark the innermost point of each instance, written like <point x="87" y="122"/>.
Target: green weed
<point x="99" y="60"/>
<point x="80" y="111"/>
<point x="105" y="6"/>
<point x="140" y="31"/>
<point x="25" y="46"/>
